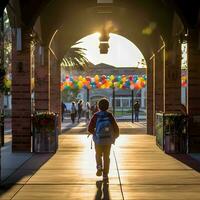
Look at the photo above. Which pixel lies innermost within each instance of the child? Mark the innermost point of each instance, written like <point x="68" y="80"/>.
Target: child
<point x="105" y="130"/>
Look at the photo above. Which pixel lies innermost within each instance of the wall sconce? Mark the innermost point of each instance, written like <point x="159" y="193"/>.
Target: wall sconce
<point x="20" y="66"/>
<point x="104" y="45"/>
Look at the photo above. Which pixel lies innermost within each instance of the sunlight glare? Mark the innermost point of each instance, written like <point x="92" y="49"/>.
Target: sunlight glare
<point x="121" y="53"/>
<point x="98" y="34"/>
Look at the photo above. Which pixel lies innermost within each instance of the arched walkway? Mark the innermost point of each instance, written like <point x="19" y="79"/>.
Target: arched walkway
<point x="158" y="28"/>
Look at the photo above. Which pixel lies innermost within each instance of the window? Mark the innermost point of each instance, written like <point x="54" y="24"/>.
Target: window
<point x="125" y="102"/>
<point x="117" y="103"/>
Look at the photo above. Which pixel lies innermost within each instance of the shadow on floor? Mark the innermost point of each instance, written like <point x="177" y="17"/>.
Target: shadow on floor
<point x="102" y="191"/>
<point x="187" y="160"/>
<point x="67" y="126"/>
<point x="22" y="174"/>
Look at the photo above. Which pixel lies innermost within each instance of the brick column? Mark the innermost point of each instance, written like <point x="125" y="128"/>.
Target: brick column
<point x="55" y="96"/>
<point x="159" y="80"/>
<point x="42" y="79"/>
<point x="150" y="95"/>
<point x="172" y="88"/>
<point x="194" y="91"/>
<point x="21" y="94"/>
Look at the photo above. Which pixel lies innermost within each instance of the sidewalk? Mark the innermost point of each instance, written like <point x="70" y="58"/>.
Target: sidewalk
<point x="82" y="126"/>
<point x="10" y="161"/>
<point x="145" y="171"/>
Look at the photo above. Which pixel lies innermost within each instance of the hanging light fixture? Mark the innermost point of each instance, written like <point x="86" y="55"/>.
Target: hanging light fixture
<point x="103" y="39"/>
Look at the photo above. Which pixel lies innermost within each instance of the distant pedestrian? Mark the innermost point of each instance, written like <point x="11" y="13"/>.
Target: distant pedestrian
<point x="183" y="109"/>
<point x="95" y="108"/>
<point x="63" y="108"/>
<point x="105" y="130"/>
<point x="137" y="110"/>
<point x="87" y="112"/>
<point x="80" y="109"/>
<point x="73" y="112"/>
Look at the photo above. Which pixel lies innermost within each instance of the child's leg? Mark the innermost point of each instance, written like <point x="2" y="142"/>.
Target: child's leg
<point x="98" y="149"/>
<point x="106" y="158"/>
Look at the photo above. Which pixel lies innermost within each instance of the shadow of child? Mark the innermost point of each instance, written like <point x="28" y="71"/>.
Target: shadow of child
<point x="102" y="193"/>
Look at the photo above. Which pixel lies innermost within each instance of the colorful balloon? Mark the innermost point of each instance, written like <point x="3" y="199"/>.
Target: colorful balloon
<point x="106" y="82"/>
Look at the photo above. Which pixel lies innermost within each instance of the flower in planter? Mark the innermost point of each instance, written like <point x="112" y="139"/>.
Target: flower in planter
<point x="44" y="121"/>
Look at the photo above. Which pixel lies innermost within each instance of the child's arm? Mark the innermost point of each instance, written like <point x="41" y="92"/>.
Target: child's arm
<point x="92" y="124"/>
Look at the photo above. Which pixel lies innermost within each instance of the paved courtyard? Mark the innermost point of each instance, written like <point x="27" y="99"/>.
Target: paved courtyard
<point x="145" y="172"/>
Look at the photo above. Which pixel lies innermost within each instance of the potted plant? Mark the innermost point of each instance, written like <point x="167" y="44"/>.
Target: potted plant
<point x="44" y="121"/>
<point x="45" y="133"/>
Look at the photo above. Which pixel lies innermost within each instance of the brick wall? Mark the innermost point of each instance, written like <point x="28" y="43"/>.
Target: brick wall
<point x="42" y="79"/>
<point x="159" y="80"/>
<point x="55" y="96"/>
<point x="173" y="78"/>
<point x="21" y="95"/>
<point x="150" y="96"/>
<point x="194" y="91"/>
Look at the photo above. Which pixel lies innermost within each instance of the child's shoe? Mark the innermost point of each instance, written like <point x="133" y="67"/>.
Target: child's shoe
<point x="99" y="171"/>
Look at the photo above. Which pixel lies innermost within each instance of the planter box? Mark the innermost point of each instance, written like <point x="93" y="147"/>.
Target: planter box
<point x="171" y="132"/>
<point x="45" y="133"/>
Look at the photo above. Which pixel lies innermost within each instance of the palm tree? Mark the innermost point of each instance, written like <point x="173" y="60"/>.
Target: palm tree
<point x="75" y="58"/>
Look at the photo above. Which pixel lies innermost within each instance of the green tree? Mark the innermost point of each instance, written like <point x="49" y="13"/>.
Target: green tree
<point x="6" y="48"/>
<point x="75" y="59"/>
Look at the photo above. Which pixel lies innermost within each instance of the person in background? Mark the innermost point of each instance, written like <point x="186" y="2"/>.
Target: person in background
<point x="95" y="108"/>
<point x="73" y="112"/>
<point x="183" y="109"/>
<point x="137" y="110"/>
<point x="184" y="117"/>
<point x="80" y="109"/>
<point x="87" y="112"/>
<point x="63" y="108"/>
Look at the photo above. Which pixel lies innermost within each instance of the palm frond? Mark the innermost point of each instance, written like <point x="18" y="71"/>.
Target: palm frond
<point x="75" y="58"/>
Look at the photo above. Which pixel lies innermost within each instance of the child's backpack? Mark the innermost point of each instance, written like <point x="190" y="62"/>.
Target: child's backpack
<point x="104" y="129"/>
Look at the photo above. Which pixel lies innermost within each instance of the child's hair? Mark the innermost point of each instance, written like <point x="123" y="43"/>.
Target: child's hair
<point x="103" y="104"/>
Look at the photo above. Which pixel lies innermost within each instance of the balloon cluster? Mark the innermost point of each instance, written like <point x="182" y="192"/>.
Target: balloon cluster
<point x="184" y="80"/>
<point x="104" y="82"/>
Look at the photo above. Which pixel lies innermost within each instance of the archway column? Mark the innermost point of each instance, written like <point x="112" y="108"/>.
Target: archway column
<point x="21" y="91"/>
<point x="159" y="80"/>
<point x="172" y="82"/>
<point x="194" y="90"/>
<point x="42" y="79"/>
<point x="151" y="95"/>
<point x="55" y="94"/>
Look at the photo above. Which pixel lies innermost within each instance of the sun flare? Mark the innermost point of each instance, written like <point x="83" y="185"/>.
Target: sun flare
<point x="121" y="53"/>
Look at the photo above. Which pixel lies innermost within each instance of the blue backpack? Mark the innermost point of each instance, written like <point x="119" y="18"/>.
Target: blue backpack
<point x="104" y="129"/>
